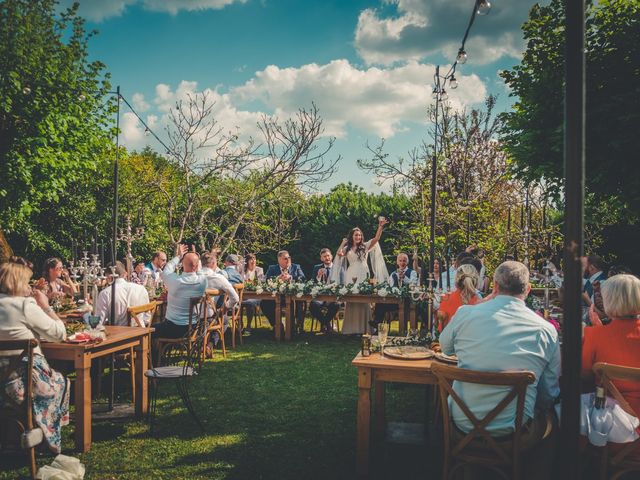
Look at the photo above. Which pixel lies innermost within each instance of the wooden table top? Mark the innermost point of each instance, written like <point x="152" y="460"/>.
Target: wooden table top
<point x="114" y="333"/>
<point x="375" y="361"/>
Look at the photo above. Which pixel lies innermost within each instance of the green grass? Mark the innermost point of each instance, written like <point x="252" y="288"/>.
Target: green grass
<point x="271" y="411"/>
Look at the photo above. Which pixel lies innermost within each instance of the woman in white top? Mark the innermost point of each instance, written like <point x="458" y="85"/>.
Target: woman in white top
<point x="251" y="274"/>
<point x="26" y="314"/>
<point x="55" y="281"/>
<point x="351" y="266"/>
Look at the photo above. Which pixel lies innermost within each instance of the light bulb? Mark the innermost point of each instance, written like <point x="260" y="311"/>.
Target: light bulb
<point x="147" y="132"/>
<point x="444" y="95"/>
<point x="26" y="91"/>
<point x="434" y="94"/>
<point x="81" y="97"/>
<point x="462" y="57"/>
<point x="483" y="7"/>
<point x="453" y="83"/>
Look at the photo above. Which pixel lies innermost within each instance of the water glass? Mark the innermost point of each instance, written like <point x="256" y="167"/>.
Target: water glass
<point x="383" y="333"/>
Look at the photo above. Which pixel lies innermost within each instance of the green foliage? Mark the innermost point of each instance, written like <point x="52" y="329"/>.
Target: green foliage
<point x="54" y="136"/>
<point x="533" y="132"/>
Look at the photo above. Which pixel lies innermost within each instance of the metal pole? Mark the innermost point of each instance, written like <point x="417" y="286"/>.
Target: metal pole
<point x="574" y="150"/>
<point x="434" y="164"/>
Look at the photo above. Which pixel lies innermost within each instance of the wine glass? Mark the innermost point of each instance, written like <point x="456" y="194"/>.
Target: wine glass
<point x="383" y="332"/>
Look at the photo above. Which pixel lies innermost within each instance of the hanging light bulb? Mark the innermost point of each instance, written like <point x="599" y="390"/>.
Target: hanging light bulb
<point x="434" y="94"/>
<point x="26" y="91"/>
<point x="483" y="7"/>
<point x="462" y="56"/>
<point x="81" y="97"/>
<point x="147" y="132"/>
<point x="444" y="95"/>
<point x="453" y="83"/>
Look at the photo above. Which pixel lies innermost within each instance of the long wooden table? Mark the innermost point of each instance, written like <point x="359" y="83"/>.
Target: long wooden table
<point x="119" y="339"/>
<point x="374" y="371"/>
<point x="250" y="295"/>
<point x="403" y="306"/>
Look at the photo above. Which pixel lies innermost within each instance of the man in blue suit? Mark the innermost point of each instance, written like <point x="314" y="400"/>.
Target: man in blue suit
<point x="287" y="272"/>
<point x="324" y="311"/>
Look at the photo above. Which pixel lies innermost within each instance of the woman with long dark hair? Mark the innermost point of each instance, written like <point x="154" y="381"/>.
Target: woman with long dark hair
<point x="352" y="267"/>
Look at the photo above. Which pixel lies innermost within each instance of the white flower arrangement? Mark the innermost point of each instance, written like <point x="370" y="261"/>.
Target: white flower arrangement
<point x="299" y="294"/>
<point x="343" y="291"/>
<point x="259" y="290"/>
<point x="383" y="292"/>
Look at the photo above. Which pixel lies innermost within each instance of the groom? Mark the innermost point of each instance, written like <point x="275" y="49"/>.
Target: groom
<point x="324" y="311"/>
<point x="287" y="272"/>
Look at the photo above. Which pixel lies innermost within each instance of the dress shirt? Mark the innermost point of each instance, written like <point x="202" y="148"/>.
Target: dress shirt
<point x="218" y="281"/>
<point x="232" y="274"/>
<point x="181" y="289"/>
<point x="22" y="319"/>
<point x="502" y="334"/>
<point x="151" y="269"/>
<point x="412" y="278"/>
<point x="128" y="294"/>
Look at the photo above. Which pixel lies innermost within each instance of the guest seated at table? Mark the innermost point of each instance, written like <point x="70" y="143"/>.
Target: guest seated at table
<point x="465" y="293"/>
<point x="217" y="281"/>
<point x="138" y="275"/>
<point x="230" y="271"/>
<point x="324" y="312"/>
<point x="597" y="316"/>
<point x="619" y="341"/>
<point x="128" y="294"/>
<point x="26" y="314"/>
<point x="503" y="334"/>
<point x="155" y="266"/>
<point x="251" y="273"/>
<point x="55" y="281"/>
<point x="285" y="271"/>
<point x="401" y="277"/>
<point x="181" y="288"/>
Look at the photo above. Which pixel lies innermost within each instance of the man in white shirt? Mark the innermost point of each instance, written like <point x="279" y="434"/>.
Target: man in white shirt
<point x="218" y="281"/>
<point x="128" y="294"/>
<point x="156" y="265"/>
<point x="502" y="334"/>
<point x="402" y="277"/>
<point x="181" y="288"/>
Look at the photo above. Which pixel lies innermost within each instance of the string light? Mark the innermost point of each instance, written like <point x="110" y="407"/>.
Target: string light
<point x="26" y="91"/>
<point x="453" y="83"/>
<point x="483" y="7"/>
<point x="462" y="57"/>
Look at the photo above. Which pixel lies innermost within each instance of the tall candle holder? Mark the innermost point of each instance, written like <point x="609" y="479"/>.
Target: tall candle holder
<point x="128" y="235"/>
<point x="92" y="273"/>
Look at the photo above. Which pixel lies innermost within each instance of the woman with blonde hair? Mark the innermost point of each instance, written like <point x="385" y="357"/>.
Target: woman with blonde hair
<point x="465" y="293"/>
<point x="26" y="314"/>
<point x="618" y="342"/>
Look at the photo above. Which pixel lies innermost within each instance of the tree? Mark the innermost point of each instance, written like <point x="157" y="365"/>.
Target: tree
<point x="533" y="130"/>
<point x="54" y="124"/>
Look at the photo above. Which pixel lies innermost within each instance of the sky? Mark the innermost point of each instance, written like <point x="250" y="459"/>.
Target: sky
<point x="368" y="65"/>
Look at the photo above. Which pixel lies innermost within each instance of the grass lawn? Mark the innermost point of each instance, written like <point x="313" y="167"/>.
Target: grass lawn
<point x="271" y="411"/>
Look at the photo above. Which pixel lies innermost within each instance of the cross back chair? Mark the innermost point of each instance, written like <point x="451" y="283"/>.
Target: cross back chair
<point x="213" y="320"/>
<point x="168" y="346"/>
<point x="619" y="460"/>
<point x="184" y="366"/>
<point x="234" y="314"/>
<point x="478" y="446"/>
<point x="21" y="414"/>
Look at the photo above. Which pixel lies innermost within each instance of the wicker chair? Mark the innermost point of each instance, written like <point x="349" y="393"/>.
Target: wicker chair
<point x="21" y="414"/>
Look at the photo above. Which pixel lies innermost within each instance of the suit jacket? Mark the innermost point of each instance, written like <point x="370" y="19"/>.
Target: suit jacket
<point x="294" y="270"/>
<point x="314" y="275"/>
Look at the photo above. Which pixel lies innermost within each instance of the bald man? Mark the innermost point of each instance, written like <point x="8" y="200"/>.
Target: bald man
<point x="181" y="289"/>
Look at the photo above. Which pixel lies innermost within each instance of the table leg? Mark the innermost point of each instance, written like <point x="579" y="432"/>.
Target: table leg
<point x="413" y="321"/>
<point x="363" y="421"/>
<point x="278" y="324"/>
<point x="82" y="365"/>
<point x="380" y="417"/>
<point x="142" y="385"/>
<point x="288" y="315"/>
<point x="401" y="318"/>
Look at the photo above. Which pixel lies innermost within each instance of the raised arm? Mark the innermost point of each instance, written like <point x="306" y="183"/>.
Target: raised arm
<point x="381" y="223"/>
<point x="341" y="252"/>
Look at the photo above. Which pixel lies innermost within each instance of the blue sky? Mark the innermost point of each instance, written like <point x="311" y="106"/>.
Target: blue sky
<point x="367" y="64"/>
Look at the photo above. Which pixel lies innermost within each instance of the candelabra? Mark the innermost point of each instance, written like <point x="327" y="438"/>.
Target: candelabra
<point x="92" y="273"/>
<point x="128" y="236"/>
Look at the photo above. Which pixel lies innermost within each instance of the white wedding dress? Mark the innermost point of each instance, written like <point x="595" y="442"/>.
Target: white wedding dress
<point x="358" y="315"/>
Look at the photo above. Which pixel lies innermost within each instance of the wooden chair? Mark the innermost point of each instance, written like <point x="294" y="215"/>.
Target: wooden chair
<point x="478" y="446"/>
<point x="183" y="367"/>
<point x="213" y="320"/>
<point x="21" y="414"/>
<point x="135" y="314"/>
<point x="236" y="318"/>
<point x="620" y="460"/>
<point x="167" y="346"/>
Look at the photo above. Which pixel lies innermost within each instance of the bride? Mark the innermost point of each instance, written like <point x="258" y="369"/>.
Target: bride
<point x="351" y="267"/>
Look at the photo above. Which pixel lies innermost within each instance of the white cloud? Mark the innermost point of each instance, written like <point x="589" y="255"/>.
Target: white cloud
<point x="99" y="10"/>
<point x="139" y="102"/>
<point x="132" y="132"/>
<point x="419" y="29"/>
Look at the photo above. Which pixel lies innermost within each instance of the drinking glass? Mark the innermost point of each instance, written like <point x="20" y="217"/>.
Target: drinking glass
<point x="383" y="332"/>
